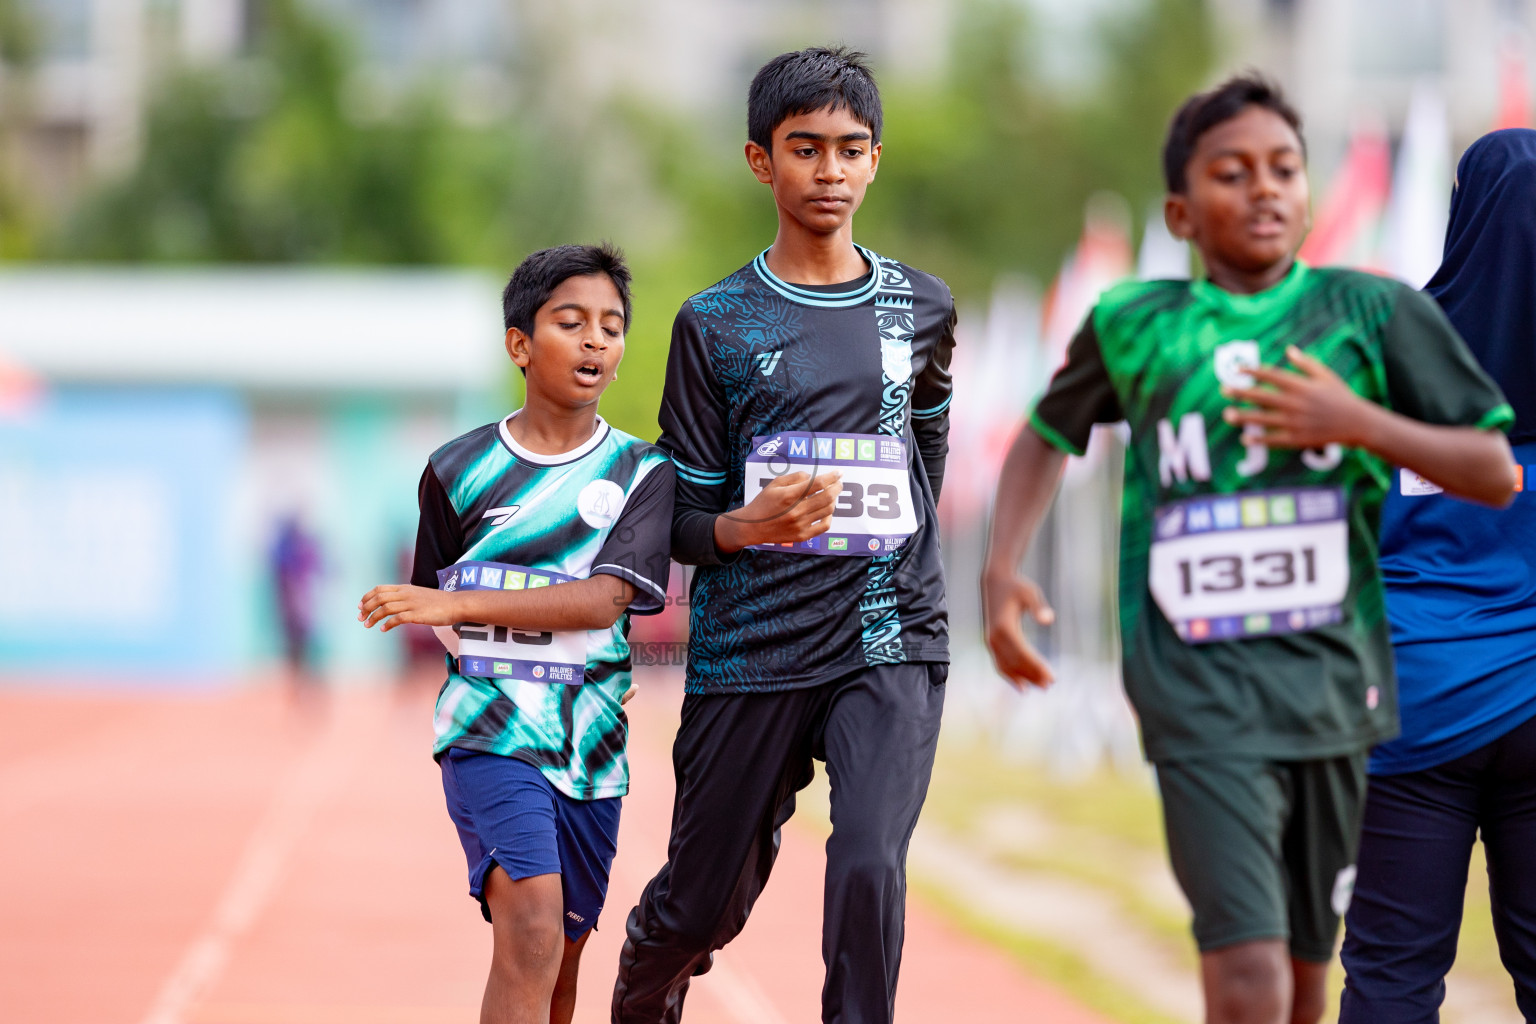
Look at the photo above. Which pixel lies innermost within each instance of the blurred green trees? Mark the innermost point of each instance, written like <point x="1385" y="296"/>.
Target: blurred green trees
<point x="262" y="160"/>
<point x="985" y="170"/>
<point x="18" y="54"/>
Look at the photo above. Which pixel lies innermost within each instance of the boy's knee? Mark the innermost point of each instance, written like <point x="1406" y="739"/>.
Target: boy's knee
<point x="696" y="927"/>
<point x="526" y="921"/>
<point x="1248" y="983"/>
<point x="865" y="864"/>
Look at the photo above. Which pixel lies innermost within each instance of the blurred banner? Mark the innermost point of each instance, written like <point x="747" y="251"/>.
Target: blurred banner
<point x="168" y="434"/>
<point x="115" y="553"/>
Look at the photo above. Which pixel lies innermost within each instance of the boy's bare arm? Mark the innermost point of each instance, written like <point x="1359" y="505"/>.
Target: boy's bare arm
<point x="594" y="603"/>
<point x="1315" y="407"/>
<point x="1024" y="492"/>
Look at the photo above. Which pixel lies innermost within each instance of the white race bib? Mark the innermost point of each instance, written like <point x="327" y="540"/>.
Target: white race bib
<point x="874" y="514"/>
<point x="1411" y="485"/>
<point x="1233" y="566"/>
<point x="500" y="652"/>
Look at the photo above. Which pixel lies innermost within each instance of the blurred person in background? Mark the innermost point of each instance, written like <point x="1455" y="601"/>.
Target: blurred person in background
<point x="1255" y="649"/>
<point x="1461" y="596"/>
<point x="296" y="563"/>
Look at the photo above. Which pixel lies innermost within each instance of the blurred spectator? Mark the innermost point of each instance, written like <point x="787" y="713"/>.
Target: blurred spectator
<point x="296" y="565"/>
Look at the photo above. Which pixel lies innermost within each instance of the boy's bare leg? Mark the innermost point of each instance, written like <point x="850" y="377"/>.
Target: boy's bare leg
<point x="563" y="1005"/>
<point x="528" y="946"/>
<point x="1248" y="983"/>
<point x="1310" y="988"/>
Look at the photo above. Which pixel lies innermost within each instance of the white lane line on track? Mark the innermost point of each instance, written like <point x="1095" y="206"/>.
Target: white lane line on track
<point x="309" y="781"/>
<point x="742" y="995"/>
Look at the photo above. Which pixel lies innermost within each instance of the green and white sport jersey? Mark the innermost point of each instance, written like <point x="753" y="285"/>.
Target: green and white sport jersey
<point x="496" y="514"/>
<point x="1251" y="607"/>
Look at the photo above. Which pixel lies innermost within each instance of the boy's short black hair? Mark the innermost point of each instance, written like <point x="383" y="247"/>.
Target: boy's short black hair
<point x="1204" y="111"/>
<point x="544" y="271"/>
<point x="820" y="78"/>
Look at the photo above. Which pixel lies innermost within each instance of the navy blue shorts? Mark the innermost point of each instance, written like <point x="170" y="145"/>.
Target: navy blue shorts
<point x="508" y="813"/>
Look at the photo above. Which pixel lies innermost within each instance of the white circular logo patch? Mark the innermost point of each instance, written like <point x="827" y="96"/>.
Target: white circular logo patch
<point x="1233" y="360"/>
<point x="1343" y="890"/>
<point x="599" y="503"/>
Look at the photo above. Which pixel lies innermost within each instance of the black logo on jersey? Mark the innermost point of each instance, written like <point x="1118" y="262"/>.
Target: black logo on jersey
<point x="499" y="516"/>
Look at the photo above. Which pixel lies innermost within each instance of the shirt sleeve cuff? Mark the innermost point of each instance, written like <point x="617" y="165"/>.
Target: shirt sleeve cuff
<point x="650" y="596"/>
<point x="1052" y="436"/>
<point x="1500" y="417"/>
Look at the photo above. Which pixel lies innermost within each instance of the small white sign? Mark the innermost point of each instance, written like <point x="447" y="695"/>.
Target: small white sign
<point x="1412" y="485"/>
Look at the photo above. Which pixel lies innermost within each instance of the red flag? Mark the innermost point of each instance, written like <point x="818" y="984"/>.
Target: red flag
<point x="1345" y="228"/>
<point x="1514" y="94"/>
<point x="20" y="389"/>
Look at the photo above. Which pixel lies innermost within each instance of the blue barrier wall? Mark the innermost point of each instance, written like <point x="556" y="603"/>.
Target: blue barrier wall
<point x="115" y="552"/>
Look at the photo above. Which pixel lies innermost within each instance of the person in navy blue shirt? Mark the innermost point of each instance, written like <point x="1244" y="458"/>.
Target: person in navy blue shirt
<point x="1461" y="596"/>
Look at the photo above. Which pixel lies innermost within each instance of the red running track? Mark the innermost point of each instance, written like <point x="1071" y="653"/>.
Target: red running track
<point x="227" y="858"/>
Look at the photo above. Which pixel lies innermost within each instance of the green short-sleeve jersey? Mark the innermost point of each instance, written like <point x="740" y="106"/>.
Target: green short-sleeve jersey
<point x="1214" y="526"/>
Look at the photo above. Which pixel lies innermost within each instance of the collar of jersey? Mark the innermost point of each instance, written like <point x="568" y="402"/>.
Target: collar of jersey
<point x="1282" y="290"/>
<point x="559" y="458"/>
<point x="824" y="300"/>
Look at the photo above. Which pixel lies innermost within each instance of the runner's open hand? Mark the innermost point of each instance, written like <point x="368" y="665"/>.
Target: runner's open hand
<point x="395" y="604"/>
<point x="793" y="507"/>
<point x="1309" y="409"/>
<point x="1005" y="599"/>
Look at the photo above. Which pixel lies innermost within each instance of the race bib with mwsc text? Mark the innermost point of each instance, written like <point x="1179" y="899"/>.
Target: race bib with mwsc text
<point x="874" y="514"/>
<point x="1234" y="566"/>
<point x="501" y="652"/>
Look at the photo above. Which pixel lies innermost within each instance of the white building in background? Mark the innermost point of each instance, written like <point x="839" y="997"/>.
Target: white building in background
<point x="1341" y="60"/>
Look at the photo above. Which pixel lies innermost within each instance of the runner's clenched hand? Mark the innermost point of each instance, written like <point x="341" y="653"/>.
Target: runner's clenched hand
<point x="793" y="507"/>
<point x="1307" y="409"/>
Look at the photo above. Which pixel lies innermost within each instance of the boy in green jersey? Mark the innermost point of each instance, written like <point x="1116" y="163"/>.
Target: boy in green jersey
<point x="1268" y="403"/>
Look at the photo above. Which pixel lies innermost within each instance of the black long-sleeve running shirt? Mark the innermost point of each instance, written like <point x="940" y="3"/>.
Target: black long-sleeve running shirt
<point x="861" y="368"/>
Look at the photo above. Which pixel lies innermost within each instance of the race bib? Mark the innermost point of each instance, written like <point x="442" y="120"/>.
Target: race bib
<point x="874" y="514"/>
<point x="1411" y="485"/>
<point x="1229" y="567"/>
<point x="501" y="652"/>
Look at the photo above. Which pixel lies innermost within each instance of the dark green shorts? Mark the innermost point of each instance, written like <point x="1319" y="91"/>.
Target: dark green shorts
<point x="1265" y="849"/>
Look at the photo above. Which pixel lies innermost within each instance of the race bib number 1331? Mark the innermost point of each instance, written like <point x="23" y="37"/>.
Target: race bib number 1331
<point x="1232" y="566"/>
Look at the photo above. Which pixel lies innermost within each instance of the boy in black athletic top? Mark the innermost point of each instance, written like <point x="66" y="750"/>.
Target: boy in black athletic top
<point x="1267" y="404"/>
<point x="805" y="410"/>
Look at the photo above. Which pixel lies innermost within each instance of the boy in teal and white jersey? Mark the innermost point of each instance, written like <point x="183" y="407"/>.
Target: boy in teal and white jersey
<point x="539" y="534"/>
<point x="1267" y="404"/>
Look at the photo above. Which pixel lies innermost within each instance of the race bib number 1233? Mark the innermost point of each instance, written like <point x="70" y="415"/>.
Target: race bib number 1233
<point x="874" y="513"/>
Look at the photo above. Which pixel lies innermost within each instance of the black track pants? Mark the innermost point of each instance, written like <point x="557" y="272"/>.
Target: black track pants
<point x="739" y="760"/>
